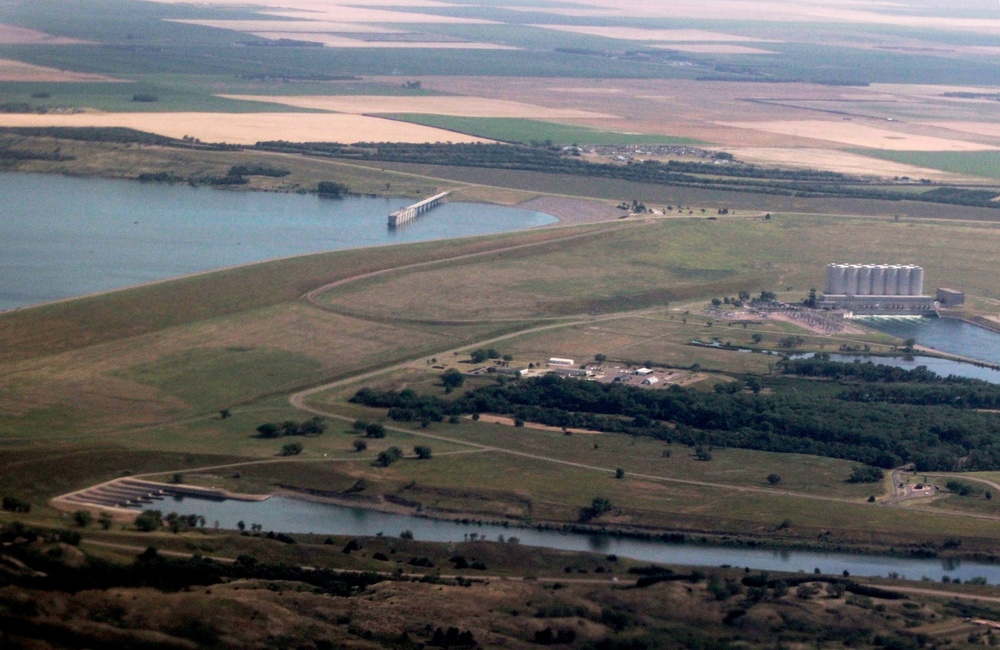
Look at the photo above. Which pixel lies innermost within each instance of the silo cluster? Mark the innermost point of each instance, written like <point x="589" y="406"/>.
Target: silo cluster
<point x="874" y="280"/>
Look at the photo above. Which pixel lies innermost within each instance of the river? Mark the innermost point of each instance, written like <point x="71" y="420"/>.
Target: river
<point x="62" y="237"/>
<point x="287" y="515"/>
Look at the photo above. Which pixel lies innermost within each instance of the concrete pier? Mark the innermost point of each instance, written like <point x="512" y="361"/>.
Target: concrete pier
<point x="405" y="215"/>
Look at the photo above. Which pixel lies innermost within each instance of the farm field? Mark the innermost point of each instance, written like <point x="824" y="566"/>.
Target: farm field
<point x="527" y="131"/>
<point x="985" y="164"/>
<point x="247" y="128"/>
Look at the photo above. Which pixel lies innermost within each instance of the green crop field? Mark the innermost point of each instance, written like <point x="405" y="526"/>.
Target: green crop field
<point x="984" y="164"/>
<point x="527" y="131"/>
<point x="118" y="98"/>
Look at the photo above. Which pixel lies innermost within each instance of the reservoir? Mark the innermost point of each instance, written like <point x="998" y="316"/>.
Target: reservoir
<point x="62" y="237"/>
<point x="282" y="514"/>
<point x="944" y="334"/>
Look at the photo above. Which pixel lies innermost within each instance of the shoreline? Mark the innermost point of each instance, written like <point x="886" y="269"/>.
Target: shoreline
<point x="715" y="539"/>
<point x="565" y="210"/>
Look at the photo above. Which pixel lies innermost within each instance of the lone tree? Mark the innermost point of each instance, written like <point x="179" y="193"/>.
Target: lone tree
<point x="149" y="521"/>
<point x="291" y="449"/>
<point x="423" y="452"/>
<point x="773" y="479"/>
<point x="452" y="379"/>
<point x="82" y="518"/>
<point x="375" y="430"/>
<point x="360" y="445"/>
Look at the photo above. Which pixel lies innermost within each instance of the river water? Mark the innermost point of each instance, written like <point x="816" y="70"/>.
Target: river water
<point x="941" y="367"/>
<point x="62" y="237"/>
<point x="282" y="514"/>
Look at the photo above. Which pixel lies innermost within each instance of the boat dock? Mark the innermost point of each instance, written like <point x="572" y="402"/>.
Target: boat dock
<point x="405" y="215"/>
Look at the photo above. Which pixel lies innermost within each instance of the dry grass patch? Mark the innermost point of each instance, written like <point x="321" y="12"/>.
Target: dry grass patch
<point x="11" y="35"/>
<point x="353" y="14"/>
<point x="249" y="128"/>
<point x="806" y="11"/>
<point x="460" y="106"/>
<point x="989" y="129"/>
<point x="16" y="71"/>
<point x="857" y="134"/>
<point x="836" y="161"/>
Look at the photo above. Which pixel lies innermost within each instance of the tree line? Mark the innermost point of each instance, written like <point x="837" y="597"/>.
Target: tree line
<point x="553" y="160"/>
<point x="794" y="417"/>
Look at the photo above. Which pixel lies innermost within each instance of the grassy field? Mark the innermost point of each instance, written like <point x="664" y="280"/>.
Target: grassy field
<point x="669" y="260"/>
<point x="527" y="131"/>
<point x="984" y="164"/>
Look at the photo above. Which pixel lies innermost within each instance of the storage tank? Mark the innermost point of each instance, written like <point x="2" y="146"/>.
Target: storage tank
<point x="834" y="279"/>
<point x="831" y="279"/>
<point x="878" y="280"/>
<point x="903" y="284"/>
<point x="891" y="280"/>
<point x="851" y="280"/>
<point x="865" y="280"/>
<point x="917" y="281"/>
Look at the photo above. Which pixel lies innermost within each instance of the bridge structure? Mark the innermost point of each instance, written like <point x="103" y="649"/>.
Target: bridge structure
<point x="405" y="215"/>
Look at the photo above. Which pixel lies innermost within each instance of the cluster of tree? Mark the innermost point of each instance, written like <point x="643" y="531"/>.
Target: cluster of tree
<point x="114" y="134"/>
<point x="480" y="355"/>
<point x="332" y="189"/>
<point x="159" y="177"/>
<point x="311" y="427"/>
<point x="388" y="457"/>
<point x="15" y="504"/>
<point x="452" y="638"/>
<point x="865" y="474"/>
<point x="934" y="437"/>
<point x="12" y="155"/>
<point x="258" y="170"/>
<point x="300" y="77"/>
<point x="20" y="107"/>
<point x="742" y="178"/>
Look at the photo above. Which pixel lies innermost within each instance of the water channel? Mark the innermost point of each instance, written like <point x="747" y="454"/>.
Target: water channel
<point x="62" y="237"/>
<point x="937" y="365"/>
<point x="296" y="516"/>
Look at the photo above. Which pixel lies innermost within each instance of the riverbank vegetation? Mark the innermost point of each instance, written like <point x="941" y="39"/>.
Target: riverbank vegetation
<point x="97" y="588"/>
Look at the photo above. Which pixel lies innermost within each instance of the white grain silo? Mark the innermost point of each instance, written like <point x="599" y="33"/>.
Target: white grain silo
<point x="831" y="273"/>
<point x="891" y="280"/>
<point x="878" y="280"/>
<point x="865" y="280"/>
<point x="851" y="280"/>
<point x="917" y="281"/>
<point x="905" y="275"/>
<point x="836" y="278"/>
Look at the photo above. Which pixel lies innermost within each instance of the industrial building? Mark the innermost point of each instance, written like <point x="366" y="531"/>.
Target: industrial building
<point x="876" y="289"/>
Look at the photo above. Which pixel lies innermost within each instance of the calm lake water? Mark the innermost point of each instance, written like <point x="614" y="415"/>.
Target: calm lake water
<point x="945" y="334"/>
<point x="282" y="514"/>
<point x="62" y="237"/>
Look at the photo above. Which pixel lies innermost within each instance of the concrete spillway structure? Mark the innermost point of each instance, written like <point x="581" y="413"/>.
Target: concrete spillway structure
<point x="406" y="215"/>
